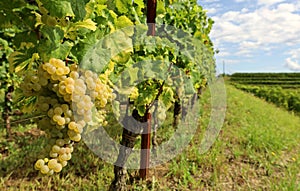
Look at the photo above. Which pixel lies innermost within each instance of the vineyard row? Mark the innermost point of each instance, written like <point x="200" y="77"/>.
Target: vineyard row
<point x="287" y="99"/>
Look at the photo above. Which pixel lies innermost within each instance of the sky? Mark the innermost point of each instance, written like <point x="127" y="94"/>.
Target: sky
<point x="255" y="35"/>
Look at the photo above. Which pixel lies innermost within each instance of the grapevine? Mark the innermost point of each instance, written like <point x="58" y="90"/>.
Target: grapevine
<point x="70" y="99"/>
<point x="65" y="97"/>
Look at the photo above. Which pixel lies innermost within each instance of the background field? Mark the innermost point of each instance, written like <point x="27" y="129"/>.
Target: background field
<point x="257" y="149"/>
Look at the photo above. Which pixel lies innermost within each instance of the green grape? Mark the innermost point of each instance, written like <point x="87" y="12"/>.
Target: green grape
<point x="71" y="149"/>
<point x="60" y="127"/>
<point x="61" y="121"/>
<point x="51" y="70"/>
<point x="36" y="87"/>
<point x="57" y="168"/>
<point x="60" y="142"/>
<point x="39" y="163"/>
<point x="34" y="79"/>
<point x="71" y="133"/>
<point x="70" y="92"/>
<point x="68" y="113"/>
<point x="74" y="75"/>
<point x="67" y="120"/>
<point x="44" y="107"/>
<point x="52" y="163"/>
<point x="55" y="148"/>
<point x="66" y="70"/>
<point x="56" y="62"/>
<point x="58" y="110"/>
<point x="72" y="125"/>
<point x="46" y="66"/>
<point x="44" y="169"/>
<point x="80" y="111"/>
<point x="81" y="104"/>
<point x="69" y="81"/>
<point x="64" y="107"/>
<point x="70" y="88"/>
<point x="62" y="151"/>
<point x="69" y="156"/>
<point x="62" y="78"/>
<point x="63" y="157"/>
<point x="68" y="150"/>
<point x="67" y="98"/>
<point x="50" y="172"/>
<point x="87" y="118"/>
<point x="76" y="98"/>
<point x="56" y="117"/>
<point x="82" y="123"/>
<point x="76" y="138"/>
<point x="60" y="71"/>
<point x="78" y="129"/>
<point x="43" y="81"/>
<point x="63" y="163"/>
<point x="53" y="154"/>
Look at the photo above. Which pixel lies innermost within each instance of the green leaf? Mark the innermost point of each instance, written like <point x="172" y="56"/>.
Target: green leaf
<point x="167" y="97"/>
<point x="160" y="7"/>
<point x="19" y="61"/>
<point x="59" y="8"/>
<point x="53" y="45"/>
<point x="141" y="110"/>
<point x="124" y="21"/>
<point x="54" y="35"/>
<point x="133" y="74"/>
<point x="96" y="58"/>
<point x="78" y="7"/>
<point x="118" y="42"/>
<point x="123" y="5"/>
<point x="139" y="6"/>
<point x="81" y="48"/>
<point x="62" y="51"/>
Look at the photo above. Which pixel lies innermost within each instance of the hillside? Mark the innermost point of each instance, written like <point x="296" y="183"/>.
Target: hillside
<point x="257" y="149"/>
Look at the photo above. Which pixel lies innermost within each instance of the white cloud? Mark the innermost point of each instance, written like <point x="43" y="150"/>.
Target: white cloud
<point x="287" y="7"/>
<point x="292" y="64"/>
<point x="292" y="61"/>
<point x="295" y="53"/>
<point x="269" y="2"/>
<point x="211" y="10"/>
<point x="259" y="29"/>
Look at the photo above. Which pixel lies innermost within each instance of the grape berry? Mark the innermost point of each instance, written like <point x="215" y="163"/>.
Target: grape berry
<point x="66" y="96"/>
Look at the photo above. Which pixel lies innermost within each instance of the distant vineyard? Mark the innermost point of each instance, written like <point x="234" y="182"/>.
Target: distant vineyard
<point x="284" y="80"/>
<point x="289" y="100"/>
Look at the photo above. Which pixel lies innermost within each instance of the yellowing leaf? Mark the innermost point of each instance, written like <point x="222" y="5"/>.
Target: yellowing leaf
<point x="88" y="23"/>
<point x="124" y="23"/>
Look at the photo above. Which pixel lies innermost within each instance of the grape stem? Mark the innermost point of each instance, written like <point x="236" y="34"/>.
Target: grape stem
<point x="158" y="94"/>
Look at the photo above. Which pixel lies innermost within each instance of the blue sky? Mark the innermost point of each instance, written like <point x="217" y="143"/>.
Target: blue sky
<point x="255" y="35"/>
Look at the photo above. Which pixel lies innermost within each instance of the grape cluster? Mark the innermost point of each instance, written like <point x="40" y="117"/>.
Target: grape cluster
<point x="66" y="96"/>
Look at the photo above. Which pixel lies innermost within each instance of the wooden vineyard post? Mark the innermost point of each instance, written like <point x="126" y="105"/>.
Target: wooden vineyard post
<point x="145" y="149"/>
<point x="151" y="15"/>
<point x="146" y="136"/>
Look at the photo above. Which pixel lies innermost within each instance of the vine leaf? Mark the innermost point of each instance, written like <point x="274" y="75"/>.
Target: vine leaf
<point x="167" y="97"/>
<point x="88" y="23"/>
<point x="59" y="9"/>
<point x="122" y="5"/>
<point x="78" y="7"/>
<point x="122" y="22"/>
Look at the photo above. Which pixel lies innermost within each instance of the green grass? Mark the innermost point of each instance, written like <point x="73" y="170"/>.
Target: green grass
<point x="257" y="149"/>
